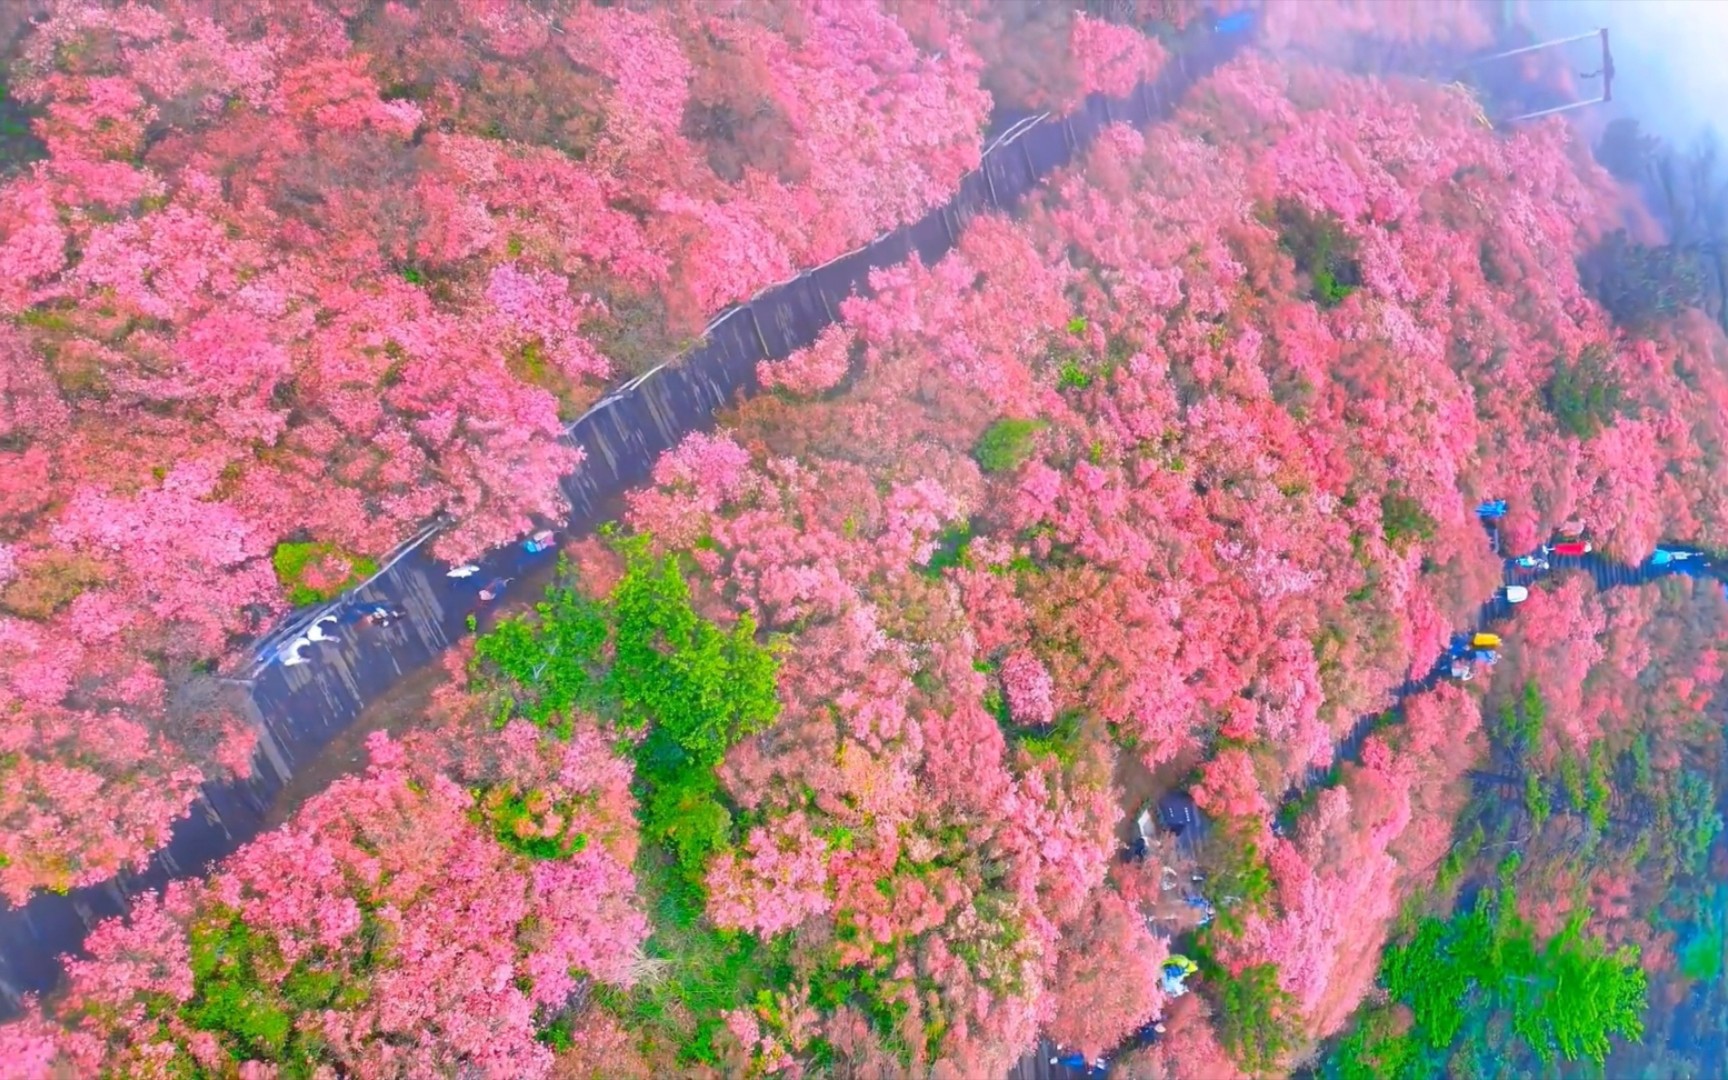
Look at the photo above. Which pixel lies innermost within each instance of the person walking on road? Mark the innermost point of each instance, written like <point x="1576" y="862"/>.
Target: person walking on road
<point x="379" y="615"/>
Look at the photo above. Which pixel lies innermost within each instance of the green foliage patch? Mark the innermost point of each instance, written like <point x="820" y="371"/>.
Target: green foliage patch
<point x="1256" y="1018"/>
<point x="644" y="659"/>
<point x="1402" y="519"/>
<point x="1321" y="250"/>
<point x="1376" y="1047"/>
<point x="1691" y="819"/>
<point x="293" y="561"/>
<point x="952" y="549"/>
<point x="1006" y="444"/>
<point x="1642" y="284"/>
<point x="1061" y="741"/>
<point x="513" y="816"/>
<point x="1238" y="870"/>
<point x="19" y="145"/>
<point x="704" y="971"/>
<point x="1563" y="997"/>
<point x="686" y="816"/>
<point x="1519" y="725"/>
<point x="543" y="666"/>
<point x="703" y="687"/>
<point x="1584" y="395"/>
<point x="1071" y="376"/>
<point x="253" y="1016"/>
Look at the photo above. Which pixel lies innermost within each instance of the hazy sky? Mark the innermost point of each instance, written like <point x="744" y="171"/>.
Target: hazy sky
<point x="1670" y="58"/>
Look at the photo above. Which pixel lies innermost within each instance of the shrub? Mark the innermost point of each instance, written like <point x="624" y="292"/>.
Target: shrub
<point x="1584" y="396"/>
<point x="1402" y="519"/>
<point x="1322" y="251"/>
<point x="1006" y="444"/>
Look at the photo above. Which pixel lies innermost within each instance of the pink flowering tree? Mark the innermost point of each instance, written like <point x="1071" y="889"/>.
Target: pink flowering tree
<point x="1107" y="977"/>
<point x="355" y="273"/>
<point x="335" y="941"/>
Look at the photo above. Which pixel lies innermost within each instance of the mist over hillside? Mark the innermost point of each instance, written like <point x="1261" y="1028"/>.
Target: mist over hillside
<point x="1667" y="58"/>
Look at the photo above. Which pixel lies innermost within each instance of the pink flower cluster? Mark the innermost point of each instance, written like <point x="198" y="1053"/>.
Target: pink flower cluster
<point x="1029" y="690"/>
<point x="779" y="880"/>
<point x="813" y="370"/>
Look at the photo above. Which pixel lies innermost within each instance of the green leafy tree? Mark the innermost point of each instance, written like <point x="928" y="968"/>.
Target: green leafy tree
<point x="1255" y="1015"/>
<point x="542" y="667"/>
<point x="1570" y="996"/>
<point x="685" y="815"/>
<point x="1693" y="823"/>
<point x="705" y="688"/>
<point x="1375" y="1048"/>
<point x="1564" y="997"/>
<point x="1626" y="151"/>
<point x="644" y="658"/>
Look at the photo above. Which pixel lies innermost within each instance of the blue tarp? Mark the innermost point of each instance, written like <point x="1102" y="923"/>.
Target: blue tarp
<point x="1237" y="22"/>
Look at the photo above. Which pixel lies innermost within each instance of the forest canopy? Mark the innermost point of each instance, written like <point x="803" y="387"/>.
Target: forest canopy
<point x="823" y="758"/>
